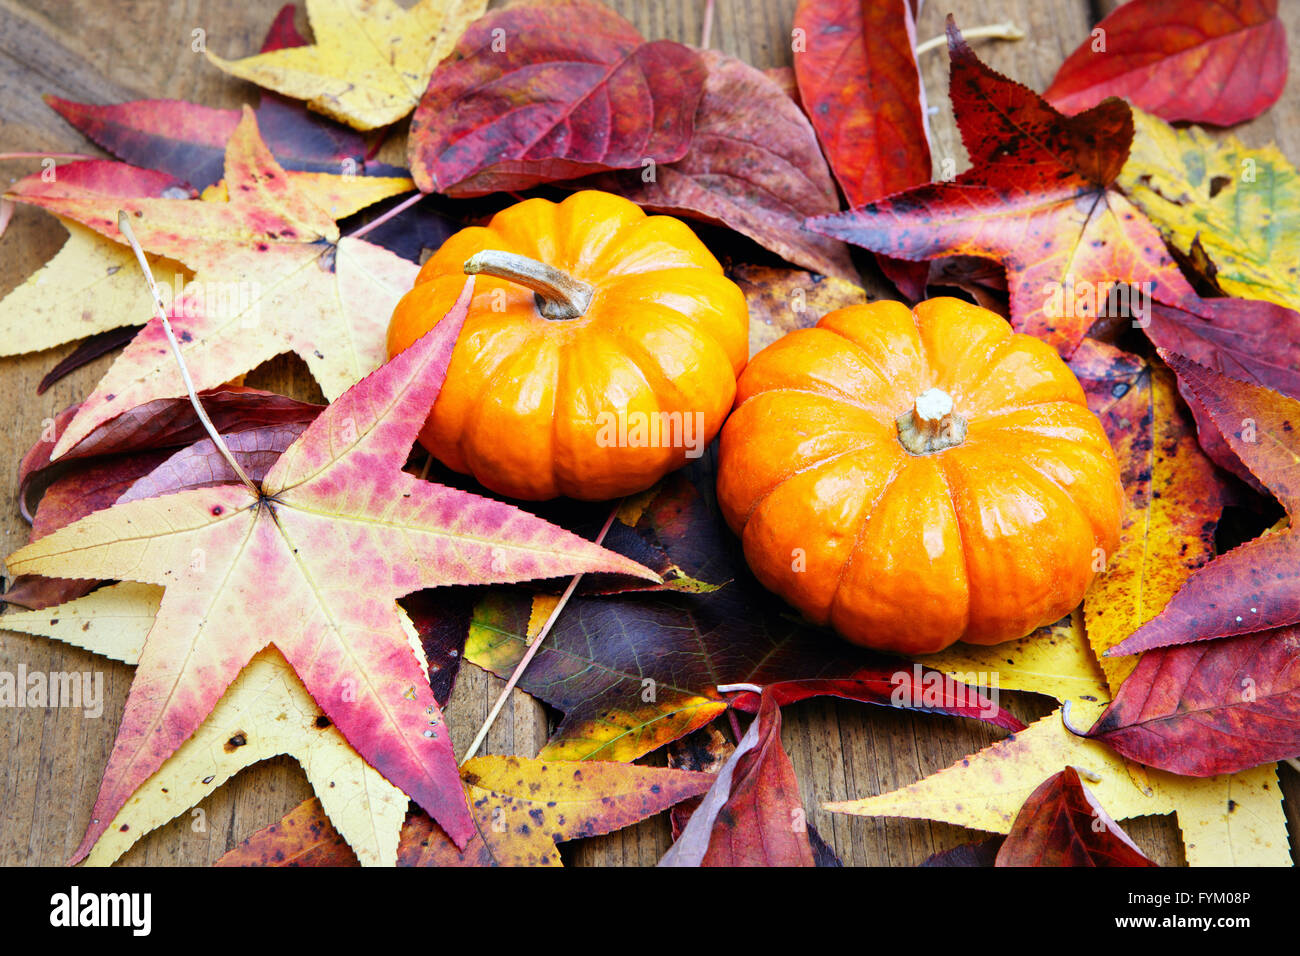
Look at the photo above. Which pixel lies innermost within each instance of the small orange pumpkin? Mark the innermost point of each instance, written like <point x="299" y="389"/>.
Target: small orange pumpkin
<point x="918" y="478"/>
<point x="600" y="351"/>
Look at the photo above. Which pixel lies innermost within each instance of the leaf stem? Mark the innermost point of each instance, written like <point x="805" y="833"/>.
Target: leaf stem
<point x="994" y="31"/>
<point x="706" y="33"/>
<point x="124" y="227"/>
<point x="378" y="221"/>
<point x="533" y="648"/>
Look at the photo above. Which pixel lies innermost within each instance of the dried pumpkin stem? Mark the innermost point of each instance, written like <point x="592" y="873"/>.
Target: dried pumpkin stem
<point x="559" y="295"/>
<point x="931" y="425"/>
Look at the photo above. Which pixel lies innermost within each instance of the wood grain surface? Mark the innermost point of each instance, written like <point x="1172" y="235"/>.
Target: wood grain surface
<point x="111" y="50"/>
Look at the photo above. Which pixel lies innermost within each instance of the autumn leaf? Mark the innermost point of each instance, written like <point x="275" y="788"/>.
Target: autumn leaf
<point x="271" y="275"/>
<point x="91" y="285"/>
<point x="337" y="532"/>
<point x="1062" y="824"/>
<point x="754" y="166"/>
<point x="371" y="60"/>
<point x="781" y="300"/>
<point x="1242" y="205"/>
<point x="1230" y="820"/>
<point x="1212" y="707"/>
<point x="981" y="853"/>
<point x="188" y="140"/>
<point x="1256" y="585"/>
<point x="1053" y="660"/>
<point x="1256" y="342"/>
<point x="859" y="81"/>
<point x="266" y="711"/>
<point x="752" y="815"/>
<point x="521" y="808"/>
<point x="526" y="98"/>
<point x="1040" y="198"/>
<point x="636" y="670"/>
<point x="152" y="448"/>
<point x="1207" y="61"/>
<point x="1174" y="496"/>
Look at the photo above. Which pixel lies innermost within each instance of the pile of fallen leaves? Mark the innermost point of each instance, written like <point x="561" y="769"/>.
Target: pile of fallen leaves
<point x="324" y="609"/>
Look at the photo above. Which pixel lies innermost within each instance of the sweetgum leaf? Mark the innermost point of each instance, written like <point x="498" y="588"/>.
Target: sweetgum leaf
<point x="1040" y="198"/>
<point x="270" y="275"/>
<point x="336" y="533"/>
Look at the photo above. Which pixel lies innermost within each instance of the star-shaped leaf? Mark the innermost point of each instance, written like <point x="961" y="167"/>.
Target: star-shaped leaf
<point x="271" y="275"/>
<point x="266" y="711"/>
<point x="371" y="60"/>
<point x="334" y="535"/>
<point x="1040" y="198"/>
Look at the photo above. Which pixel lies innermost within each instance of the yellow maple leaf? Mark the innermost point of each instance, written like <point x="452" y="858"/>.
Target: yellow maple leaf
<point x="371" y="60"/>
<point x="1243" y="204"/>
<point x="265" y="712"/>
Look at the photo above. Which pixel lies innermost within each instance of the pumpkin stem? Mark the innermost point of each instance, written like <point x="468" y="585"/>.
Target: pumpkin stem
<point x="559" y="295"/>
<point x="931" y="425"/>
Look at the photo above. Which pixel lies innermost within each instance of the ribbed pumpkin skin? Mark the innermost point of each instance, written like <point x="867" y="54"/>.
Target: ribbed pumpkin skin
<point x="980" y="542"/>
<point x="666" y="331"/>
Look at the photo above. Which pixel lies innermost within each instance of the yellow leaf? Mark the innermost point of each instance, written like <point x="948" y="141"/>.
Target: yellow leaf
<point x="371" y="60"/>
<point x="265" y="712"/>
<point x="1053" y="660"/>
<point x="90" y="286"/>
<point x="1174" y="498"/>
<point x="1232" y="820"/>
<point x="339" y="195"/>
<point x="1244" y="204"/>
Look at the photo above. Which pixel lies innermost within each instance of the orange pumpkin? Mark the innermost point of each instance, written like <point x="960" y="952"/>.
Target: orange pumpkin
<point x="601" y="349"/>
<point x="918" y="478"/>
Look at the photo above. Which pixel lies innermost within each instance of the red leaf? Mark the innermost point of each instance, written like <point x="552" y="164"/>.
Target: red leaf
<point x="1040" y="198"/>
<point x="1249" y="340"/>
<point x="859" y="82"/>
<point x="920" y="687"/>
<point x="574" y="90"/>
<point x="1256" y="585"/>
<point x="752" y="815"/>
<point x="1062" y="824"/>
<point x="166" y="423"/>
<point x="1207" y="61"/>
<point x="1211" y="707"/>
<point x="754" y="166"/>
